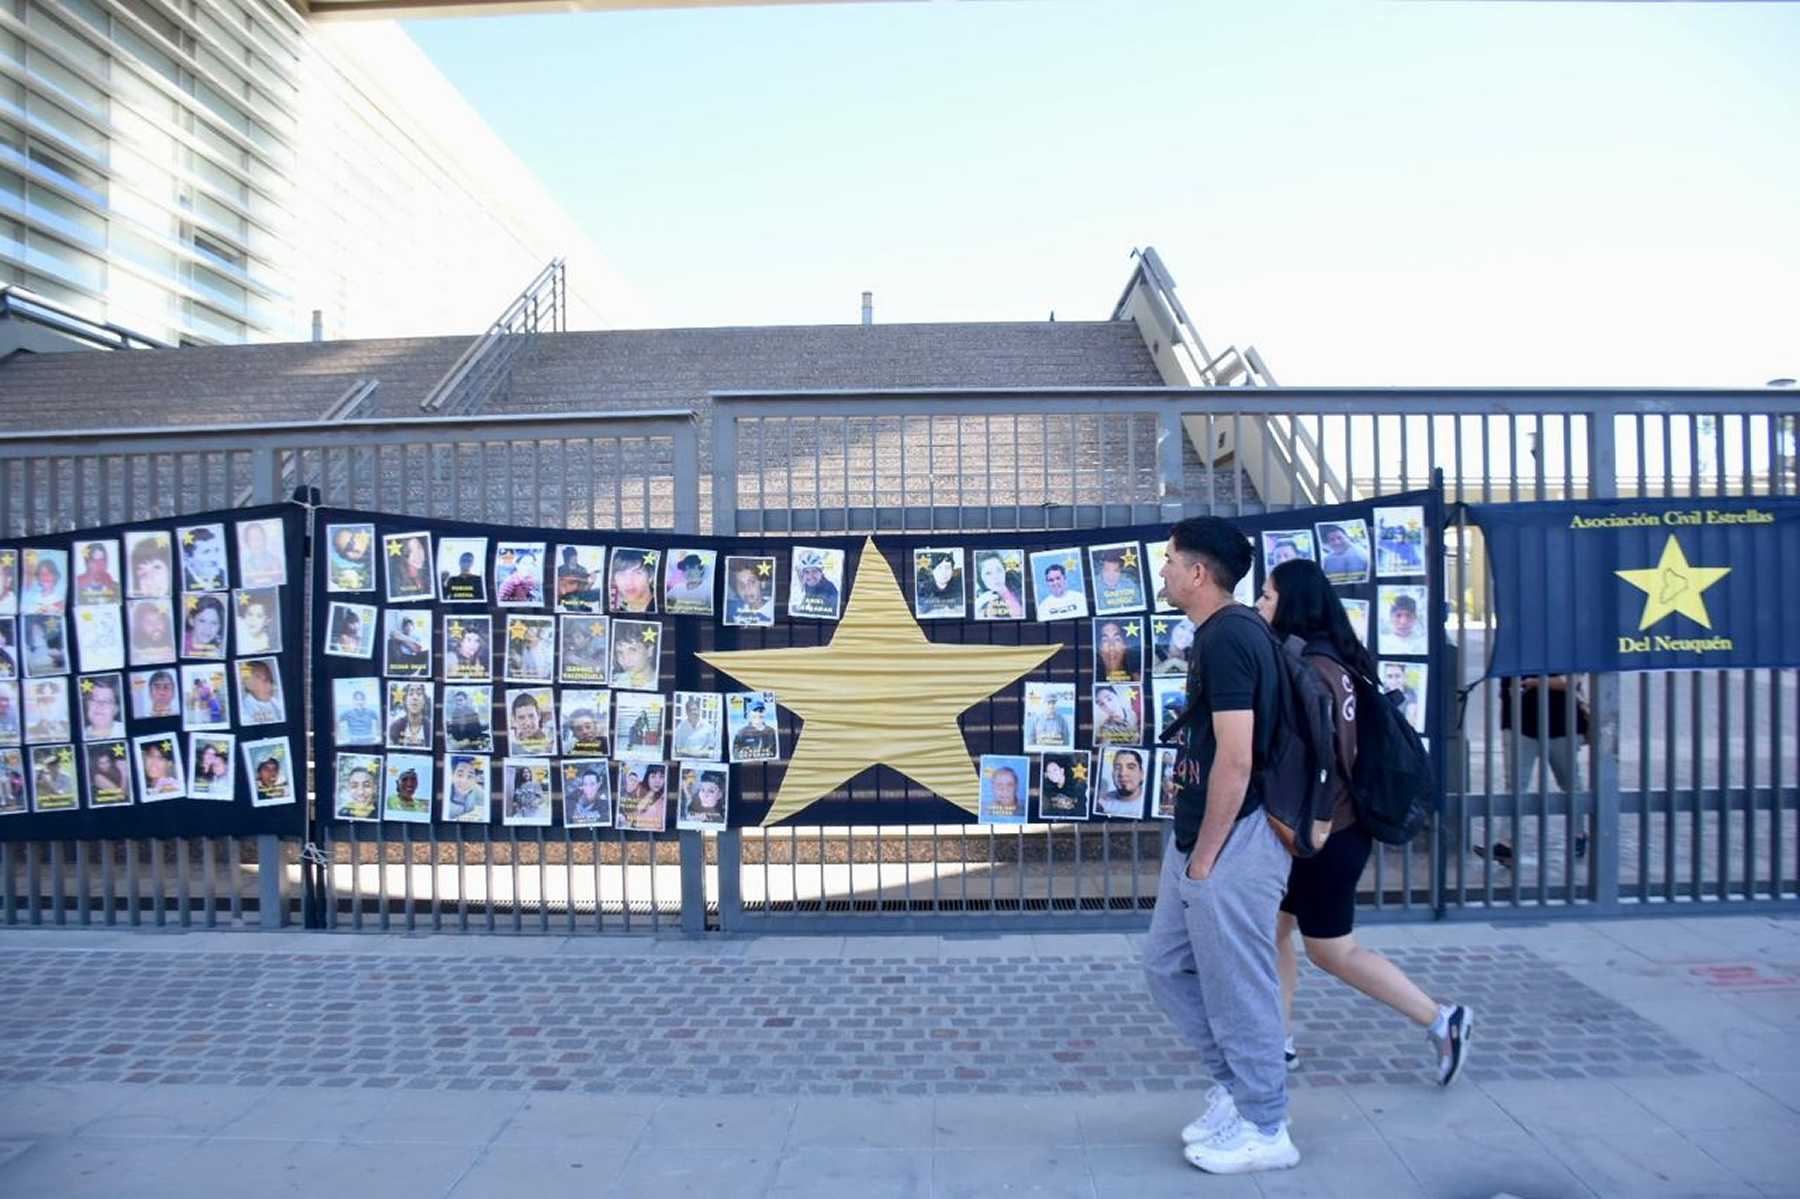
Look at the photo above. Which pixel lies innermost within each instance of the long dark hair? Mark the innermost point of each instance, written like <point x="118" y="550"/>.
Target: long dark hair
<point x="1307" y="607"/>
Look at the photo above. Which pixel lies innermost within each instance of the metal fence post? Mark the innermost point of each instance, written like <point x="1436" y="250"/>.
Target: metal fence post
<point x="693" y="881"/>
<point x="272" y="900"/>
<point x="1603" y="483"/>
<point x="730" y="847"/>
<point x="1169" y="434"/>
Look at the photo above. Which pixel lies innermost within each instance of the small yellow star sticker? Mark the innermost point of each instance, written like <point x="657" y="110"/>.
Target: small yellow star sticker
<point x="455" y="629"/>
<point x="650" y="559"/>
<point x="393" y="548"/>
<point x="1080" y="771"/>
<point x="1010" y="561"/>
<point x="191" y="602"/>
<point x="1673" y="586"/>
<point x="764" y="567"/>
<point x="6" y="559"/>
<point x="516" y="630"/>
<point x="65" y="755"/>
<point x="921" y="562"/>
<point x="650" y="632"/>
<point x="1159" y="626"/>
<point x="1070" y="563"/>
<point x="359" y="540"/>
<point x="118" y="749"/>
<point x="187" y="537"/>
<point x="87" y="685"/>
<point x="1129" y="557"/>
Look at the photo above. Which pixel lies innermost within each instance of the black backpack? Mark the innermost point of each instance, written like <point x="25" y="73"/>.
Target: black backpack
<point x="1294" y="777"/>
<point x="1392" y="781"/>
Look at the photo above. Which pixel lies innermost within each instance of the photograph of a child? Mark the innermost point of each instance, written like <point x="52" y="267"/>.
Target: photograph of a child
<point x="97" y="572"/>
<point x="1063" y="785"/>
<point x="462" y="570"/>
<point x="1402" y="628"/>
<point x="1058" y="585"/>
<point x="581" y="578"/>
<point x="257" y="620"/>
<point x="702" y="796"/>
<point x="349" y="558"/>
<point x="467" y="648"/>
<point x="1118" y="649"/>
<point x="469" y="717"/>
<point x="262" y="552"/>
<point x="355" y="715"/>
<point x="1118" y="574"/>
<point x="815" y="588"/>
<point x="1049" y="717"/>
<point x="46" y="645"/>
<point x="406" y="797"/>
<point x="938" y="585"/>
<point x="260" y="699"/>
<point x="149" y="564"/>
<point x="203" y="566"/>
<point x="750" y="591"/>
<point x="587" y="793"/>
<point x="1004" y="779"/>
<point x="1285" y="545"/>
<point x="688" y="583"/>
<point x="519" y="574"/>
<point x="1000" y="584"/>
<point x="349" y="630"/>
<point x="203" y="625"/>
<point x="46" y="576"/>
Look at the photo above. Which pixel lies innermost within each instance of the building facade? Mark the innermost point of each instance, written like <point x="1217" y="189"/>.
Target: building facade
<point x="214" y="171"/>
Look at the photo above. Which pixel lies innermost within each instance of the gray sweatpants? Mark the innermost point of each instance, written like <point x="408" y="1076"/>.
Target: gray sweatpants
<point x="1210" y="961"/>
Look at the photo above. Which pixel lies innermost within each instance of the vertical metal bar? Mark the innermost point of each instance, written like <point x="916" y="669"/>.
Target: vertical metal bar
<point x="210" y="906"/>
<point x="692" y="846"/>
<point x="543" y="869"/>
<point x="131" y="881"/>
<point x="156" y="881"/>
<point x="107" y="886"/>
<point x="54" y="851"/>
<point x="406" y="879"/>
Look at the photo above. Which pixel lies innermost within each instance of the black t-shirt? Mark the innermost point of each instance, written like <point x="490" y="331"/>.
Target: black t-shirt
<point x="1231" y="669"/>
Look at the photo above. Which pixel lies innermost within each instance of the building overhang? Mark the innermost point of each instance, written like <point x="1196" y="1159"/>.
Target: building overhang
<point x="416" y="9"/>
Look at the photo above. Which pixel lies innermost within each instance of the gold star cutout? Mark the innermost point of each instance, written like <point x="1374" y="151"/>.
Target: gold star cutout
<point x="765" y="566"/>
<point x="1159" y="626"/>
<point x="118" y="749"/>
<point x="880" y="693"/>
<point x="650" y="632"/>
<point x="65" y="755"/>
<point x="187" y="537"/>
<point x="87" y="685"/>
<point x="921" y="562"/>
<point x="1674" y="586"/>
<point x="1079" y="770"/>
<point x="1129" y="557"/>
<point x="456" y="629"/>
<point x="6" y="559"/>
<point x="516" y="630"/>
<point x="393" y="548"/>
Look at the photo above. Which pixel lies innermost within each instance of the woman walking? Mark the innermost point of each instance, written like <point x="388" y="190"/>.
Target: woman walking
<point x="1298" y="601"/>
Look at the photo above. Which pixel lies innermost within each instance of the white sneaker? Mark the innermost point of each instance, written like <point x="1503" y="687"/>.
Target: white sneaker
<point x="1290" y="1055"/>
<point x="1241" y="1148"/>
<point x="1221" y="1111"/>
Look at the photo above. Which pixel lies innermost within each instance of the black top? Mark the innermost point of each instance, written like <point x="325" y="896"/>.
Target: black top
<point x="1561" y="700"/>
<point x="1232" y="668"/>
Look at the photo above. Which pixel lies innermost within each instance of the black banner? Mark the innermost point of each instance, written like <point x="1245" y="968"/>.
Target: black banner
<point x="1640" y="584"/>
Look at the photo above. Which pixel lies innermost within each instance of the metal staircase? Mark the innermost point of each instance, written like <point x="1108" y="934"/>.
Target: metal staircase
<point x="484" y="372"/>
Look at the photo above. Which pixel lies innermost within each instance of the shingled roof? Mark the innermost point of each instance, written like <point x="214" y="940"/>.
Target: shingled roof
<point x="589" y="371"/>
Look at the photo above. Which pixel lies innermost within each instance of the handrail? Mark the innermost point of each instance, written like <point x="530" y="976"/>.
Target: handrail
<point x="28" y="305"/>
<point x="521" y="315"/>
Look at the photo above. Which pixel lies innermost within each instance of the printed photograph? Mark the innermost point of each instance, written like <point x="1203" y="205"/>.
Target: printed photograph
<point x="530" y="648"/>
<point x="1118" y="714"/>
<point x="1358" y="612"/>
<point x="816" y="585"/>
<point x="631" y="580"/>
<point x="1000" y="584"/>
<point x="349" y="630"/>
<point x="530" y="721"/>
<point x="585" y="646"/>
<point x="15" y="799"/>
<point x="99" y="636"/>
<point x="9" y="649"/>
<point x="97" y="573"/>
<point x="155" y="695"/>
<point x="356" y="711"/>
<point x="1284" y="545"/>
<point x="749" y="591"/>
<point x="256" y="620"/>
<point x="688" y="582"/>
<point x="262" y="552"/>
<point x="1245" y="591"/>
<point x="9" y="581"/>
<point x="638" y="718"/>
<point x="1155" y="554"/>
<point x="586" y="721"/>
<point x="1118" y="573"/>
<point x="205" y="698"/>
<point x="405" y="644"/>
<point x="1162" y="806"/>
<point x="46" y="645"/>
<point x="1409" y="679"/>
<point x="406" y="792"/>
<point x="149" y="564"/>
<point x="1004" y="779"/>
<point x="409" y="567"/>
<point x="1168" y="699"/>
<point x="467" y="648"/>
<point x="46" y="711"/>
<point x="349" y="558"/>
<point x="1344" y="551"/>
<point x="203" y="565"/>
<point x="46" y="579"/>
<point x="53" y="779"/>
<point x="1400" y="609"/>
<point x="1058" y="585"/>
<point x="203" y="626"/>
<point x="469" y="717"/>
<point x="701" y="796"/>
<point x="102" y="698"/>
<point x="260" y="696"/>
<point x="358" y="787"/>
<point x="643" y="796"/>
<point x="753" y="726"/>
<point x="462" y="570"/>
<point x="466" y="788"/>
<point x="637" y="654"/>
<point x="212" y="766"/>
<point x="408" y="716"/>
<point x="587" y="793"/>
<point x="150" y="631"/>
<point x="1124" y="776"/>
<point x="699" y="729"/>
<point x="1063" y="785"/>
<point x="519" y="574"/>
<point x="108" y="774"/>
<point x="527" y="798"/>
<point x="581" y="578"/>
<point x="1118" y="649"/>
<point x="157" y="762"/>
<point x="270" y="764"/>
<point x="1399" y="541"/>
<point x="1049" y="717"/>
<point x="938" y="585"/>
<point x="1171" y="641"/>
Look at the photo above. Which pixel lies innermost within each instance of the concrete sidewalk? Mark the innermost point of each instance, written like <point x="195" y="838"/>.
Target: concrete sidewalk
<point x="1612" y="1059"/>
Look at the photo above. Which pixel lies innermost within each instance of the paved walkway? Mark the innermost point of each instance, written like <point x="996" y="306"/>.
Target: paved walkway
<point x="1615" y="1059"/>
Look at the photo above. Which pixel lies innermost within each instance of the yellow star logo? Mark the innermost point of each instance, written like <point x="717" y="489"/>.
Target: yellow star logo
<point x="650" y="559"/>
<point x="187" y="537"/>
<point x="6" y="559"/>
<point x="1129" y="557"/>
<point x="1079" y="770"/>
<point x="1674" y="586"/>
<point x="516" y="630"/>
<point x="1159" y="626"/>
<point x="118" y="749"/>
<point x="65" y="755"/>
<point x="921" y="562"/>
<point x="87" y="685"/>
<point x="650" y="631"/>
<point x="765" y="567"/>
<point x="456" y="629"/>
<point x="393" y="548"/>
<point x="881" y="693"/>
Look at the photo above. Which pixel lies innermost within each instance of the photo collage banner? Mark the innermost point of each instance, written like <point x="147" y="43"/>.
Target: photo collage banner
<point x="150" y="678"/>
<point x="498" y="677"/>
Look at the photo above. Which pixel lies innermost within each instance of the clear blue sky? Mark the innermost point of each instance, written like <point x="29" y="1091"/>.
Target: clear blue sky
<point x="1409" y="193"/>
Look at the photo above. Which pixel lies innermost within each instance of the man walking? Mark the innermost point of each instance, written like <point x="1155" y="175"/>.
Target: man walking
<point x="1210" y="954"/>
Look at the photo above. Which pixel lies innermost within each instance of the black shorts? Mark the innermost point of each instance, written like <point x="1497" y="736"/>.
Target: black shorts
<point x="1321" y="894"/>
